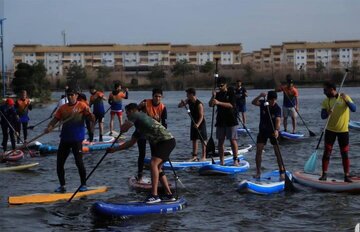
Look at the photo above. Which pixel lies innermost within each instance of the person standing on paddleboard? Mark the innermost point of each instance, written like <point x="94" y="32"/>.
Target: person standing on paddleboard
<point x="161" y="143"/>
<point x="157" y="110"/>
<point x="226" y="121"/>
<point x="241" y="94"/>
<point x="22" y="106"/>
<point x="290" y="102"/>
<point x="115" y="100"/>
<point x="73" y="114"/>
<point x="8" y="115"/>
<point x="266" y="129"/>
<point x="96" y="100"/>
<point x="197" y="129"/>
<point x="336" y="108"/>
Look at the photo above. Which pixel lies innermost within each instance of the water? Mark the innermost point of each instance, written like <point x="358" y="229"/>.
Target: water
<point x="213" y="203"/>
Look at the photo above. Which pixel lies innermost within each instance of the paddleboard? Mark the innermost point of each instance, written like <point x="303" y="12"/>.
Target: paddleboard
<point x="269" y="183"/>
<point x="242" y="131"/>
<point x="137" y="208"/>
<point x="96" y="140"/>
<point x="331" y="184"/>
<point x="18" y="167"/>
<point x="53" y="197"/>
<point x="354" y="125"/>
<point x="145" y="183"/>
<point x="227" y="169"/>
<point x="290" y="136"/>
<point x="14" y="156"/>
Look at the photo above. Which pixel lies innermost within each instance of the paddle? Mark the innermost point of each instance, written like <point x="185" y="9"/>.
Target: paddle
<point x="96" y="166"/>
<point x="247" y="131"/>
<point x="199" y="133"/>
<point x="176" y="179"/>
<point x="311" y="163"/>
<point x="210" y="146"/>
<point x="32" y="127"/>
<point x="310" y="132"/>
<point x="289" y="186"/>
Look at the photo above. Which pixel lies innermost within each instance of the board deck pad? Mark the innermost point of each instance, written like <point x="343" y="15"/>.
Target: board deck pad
<point x="52" y="197"/>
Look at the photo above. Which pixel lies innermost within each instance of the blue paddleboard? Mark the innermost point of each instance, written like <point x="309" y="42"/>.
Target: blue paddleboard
<point x="242" y="131"/>
<point x="354" y="125"/>
<point x="137" y="208"/>
<point x="227" y="169"/>
<point x="269" y="183"/>
<point x="287" y="135"/>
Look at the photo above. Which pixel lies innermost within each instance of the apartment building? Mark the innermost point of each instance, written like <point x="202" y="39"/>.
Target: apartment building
<point x="57" y="59"/>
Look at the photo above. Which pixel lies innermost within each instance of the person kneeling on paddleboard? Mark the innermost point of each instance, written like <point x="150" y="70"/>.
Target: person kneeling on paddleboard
<point x="161" y="144"/>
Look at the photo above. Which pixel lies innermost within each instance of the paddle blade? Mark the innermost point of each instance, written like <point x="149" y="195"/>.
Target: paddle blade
<point x="289" y="185"/>
<point x="312" y="163"/>
<point x="210" y="147"/>
<point x="312" y="134"/>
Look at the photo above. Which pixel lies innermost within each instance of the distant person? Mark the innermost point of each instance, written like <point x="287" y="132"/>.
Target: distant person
<point x="22" y="106"/>
<point x="8" y="115"/>
<point x="162" y="144"/>
<point x="96" y="100"/>
<point x="82" y="98"/>
<point x="290" y="102"/>
<point x="157" y="110"/>
<point x="197" y="129"/>
<point x="116" y="101"/>
<point x="73" y="115"/>
<point x="63" y="100"/>
<point x="241" y="94"/>
<point x="337" y="127"/>
<point x="266" y="130"/>
<point x="226" y="122"/>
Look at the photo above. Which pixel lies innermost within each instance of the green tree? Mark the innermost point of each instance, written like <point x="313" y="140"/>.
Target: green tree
<point x="103" y="72"/>
<point x="157" y="73"/>
<point x="76" y="76"/>
<point x="41" y="83"/>
<point x="249" y="70"/>
<point x="182" y="68"/>
<point x="320" y="67"/>
<point x="208" y="67"/>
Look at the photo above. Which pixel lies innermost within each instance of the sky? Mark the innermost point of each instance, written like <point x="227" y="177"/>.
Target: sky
<point x="255" y="24"/>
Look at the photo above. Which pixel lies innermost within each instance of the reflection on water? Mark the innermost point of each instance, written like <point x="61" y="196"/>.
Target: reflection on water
<point x="214" y="203"/>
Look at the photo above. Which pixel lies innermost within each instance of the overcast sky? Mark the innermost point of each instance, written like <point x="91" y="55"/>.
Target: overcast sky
<point x="254" y="23"/>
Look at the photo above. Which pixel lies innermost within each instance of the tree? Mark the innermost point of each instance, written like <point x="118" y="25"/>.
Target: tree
<point x="182" y="68"/>
<point x="320" y="67"/>
<point x="249" y="70"/>
<point x="157" y="72"/>
<point x="208" y="67"/>
<point x="41" y="83"/>
<point x="103" y="72"/>
<point x="76" y="76"/>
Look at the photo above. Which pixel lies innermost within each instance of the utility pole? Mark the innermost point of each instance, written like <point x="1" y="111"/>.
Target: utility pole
<point x="63" y="33"/>
<point x="3" y="74"/>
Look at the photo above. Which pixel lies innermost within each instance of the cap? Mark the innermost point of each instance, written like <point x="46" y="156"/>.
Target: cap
<point x="10" y="102"/>
<point x="71" y="90"/>
<point x="191" y="91"/>
<point x="271" y="95"/>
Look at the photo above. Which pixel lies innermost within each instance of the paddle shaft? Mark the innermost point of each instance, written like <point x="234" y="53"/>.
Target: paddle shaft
<point x="310" y="132"/>
<point x="96" y="166"/>
<point x="247" y="131"/>
<point x="198" y="131"/>
<point x="210" y="148"/>
<point x="32" y="127"/>
<point x="288" y="183"/>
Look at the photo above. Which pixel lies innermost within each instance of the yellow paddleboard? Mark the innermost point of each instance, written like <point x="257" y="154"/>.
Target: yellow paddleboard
<point x="18" y="167"/>
<point x="52" y="197"/>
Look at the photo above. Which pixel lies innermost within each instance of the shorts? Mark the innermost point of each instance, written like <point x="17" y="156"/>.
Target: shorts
<point x="99" y="117"/>
<point x="117" y="113"/>
<point x="289" y="111"/>
<point x="194" y="132"/>
<point x="241" y="108"/>
<point x="229" y="132"/>
<point x="262" y="137"/>
<point x="163" y="149"/>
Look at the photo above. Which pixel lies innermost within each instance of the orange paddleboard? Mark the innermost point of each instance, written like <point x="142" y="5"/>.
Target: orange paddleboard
<point x="52" y="197"/>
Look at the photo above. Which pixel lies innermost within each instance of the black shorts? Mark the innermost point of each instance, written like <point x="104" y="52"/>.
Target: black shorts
<point x="163" y="149"/>
<point x="99" y="117"/>
<point x="194" y="133"/>
<point x="262" y="137"/>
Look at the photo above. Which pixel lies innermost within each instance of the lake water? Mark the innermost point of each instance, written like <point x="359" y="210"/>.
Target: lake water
<point x="213" y="202"/>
